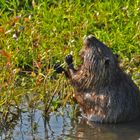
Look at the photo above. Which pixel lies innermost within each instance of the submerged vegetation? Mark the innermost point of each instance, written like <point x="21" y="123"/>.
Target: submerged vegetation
<point x="34" y="35"/>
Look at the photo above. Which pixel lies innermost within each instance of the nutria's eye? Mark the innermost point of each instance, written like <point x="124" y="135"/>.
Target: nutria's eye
<point x="107" y="60"/>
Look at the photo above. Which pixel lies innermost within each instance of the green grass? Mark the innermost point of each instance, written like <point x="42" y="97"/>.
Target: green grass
<point x="34" y="35"/>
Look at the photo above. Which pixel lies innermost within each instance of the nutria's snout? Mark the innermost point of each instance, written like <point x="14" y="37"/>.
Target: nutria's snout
<point x="89" y="40"/>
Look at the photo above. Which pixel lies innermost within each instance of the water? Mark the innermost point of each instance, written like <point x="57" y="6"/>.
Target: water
<point x="33" y="126"/>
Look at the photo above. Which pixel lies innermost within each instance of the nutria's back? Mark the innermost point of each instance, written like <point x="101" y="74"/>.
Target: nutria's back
<point x="103" y="90"/>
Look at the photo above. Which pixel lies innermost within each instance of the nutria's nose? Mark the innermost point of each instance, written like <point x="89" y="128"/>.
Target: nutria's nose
<point x="90" y="37"/>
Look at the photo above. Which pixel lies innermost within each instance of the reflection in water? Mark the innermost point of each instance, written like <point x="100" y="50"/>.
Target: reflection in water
<point x="33" y="126"/>
<point x="89" y="131"/>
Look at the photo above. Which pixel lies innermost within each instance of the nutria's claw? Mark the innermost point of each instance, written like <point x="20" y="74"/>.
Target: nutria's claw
<point x="69" y="59"/>
<point x="58" y="68"/>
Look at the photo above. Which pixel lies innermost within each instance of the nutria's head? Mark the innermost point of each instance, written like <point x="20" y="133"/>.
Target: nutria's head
<point x="98" y="60"/>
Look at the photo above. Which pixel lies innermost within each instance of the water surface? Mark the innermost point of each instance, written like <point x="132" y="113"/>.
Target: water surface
<point x="33" y="126"/>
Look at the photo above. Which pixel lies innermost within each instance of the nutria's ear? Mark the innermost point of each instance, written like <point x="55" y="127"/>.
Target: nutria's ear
<point x="106" y="60"/>
<point x="116" y="55"/>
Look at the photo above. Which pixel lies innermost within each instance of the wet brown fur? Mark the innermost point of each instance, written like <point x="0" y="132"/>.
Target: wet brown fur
<point x="105" y="93"/>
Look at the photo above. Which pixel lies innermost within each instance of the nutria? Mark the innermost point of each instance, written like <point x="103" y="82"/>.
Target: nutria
<point x="105" y="93"/>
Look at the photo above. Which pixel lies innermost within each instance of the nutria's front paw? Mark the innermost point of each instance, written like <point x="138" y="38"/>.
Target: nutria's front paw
<point x="58" y="68"/>
<point x="69" y="59"/>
